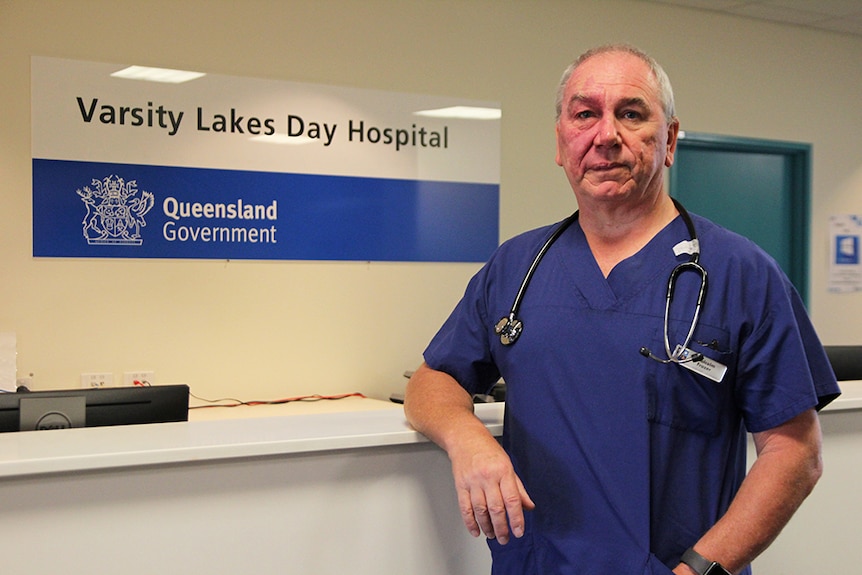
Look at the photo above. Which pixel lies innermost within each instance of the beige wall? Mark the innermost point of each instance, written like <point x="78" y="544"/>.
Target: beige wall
<point x="271" y="329"/>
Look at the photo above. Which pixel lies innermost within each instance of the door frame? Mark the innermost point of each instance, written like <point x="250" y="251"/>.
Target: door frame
<point x="798" y="189"/>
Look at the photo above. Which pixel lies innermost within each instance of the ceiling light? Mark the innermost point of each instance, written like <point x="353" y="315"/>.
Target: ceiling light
<point x="283" y="139"/>
<point x="157" y="74"/>
<point x="463" y="112"/>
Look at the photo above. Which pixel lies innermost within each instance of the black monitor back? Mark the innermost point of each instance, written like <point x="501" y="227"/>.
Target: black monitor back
<point x="846" y="361"/>
<point x="108" y="406"/>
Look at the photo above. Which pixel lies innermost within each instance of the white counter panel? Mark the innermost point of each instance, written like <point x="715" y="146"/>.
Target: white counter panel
<point x="305" y="489"/>
<point x="219" y="433"/>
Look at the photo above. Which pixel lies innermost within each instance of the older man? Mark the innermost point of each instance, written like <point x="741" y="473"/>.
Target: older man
<point x="626" y="412"/>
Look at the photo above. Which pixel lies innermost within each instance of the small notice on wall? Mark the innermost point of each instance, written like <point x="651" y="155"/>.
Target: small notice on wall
<point x="141" y="163"/>
<point x="845" y="268"/>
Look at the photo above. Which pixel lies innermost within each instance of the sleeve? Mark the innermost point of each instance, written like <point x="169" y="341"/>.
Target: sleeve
<point x="825" y="383"/>
<point x="783" y="367"/>
<point x="461" y="347"/>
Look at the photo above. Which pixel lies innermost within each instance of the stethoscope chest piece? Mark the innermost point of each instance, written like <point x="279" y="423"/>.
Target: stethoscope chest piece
<point x="509" y="329"/>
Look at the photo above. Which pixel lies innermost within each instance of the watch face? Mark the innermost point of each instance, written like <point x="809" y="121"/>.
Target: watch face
<point x="716" y="569"/>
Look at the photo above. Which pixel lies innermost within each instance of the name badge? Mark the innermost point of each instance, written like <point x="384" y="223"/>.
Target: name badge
<point x="705" y="366"/>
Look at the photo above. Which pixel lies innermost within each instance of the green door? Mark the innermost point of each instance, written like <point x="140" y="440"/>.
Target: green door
<point x="757" y="188"/>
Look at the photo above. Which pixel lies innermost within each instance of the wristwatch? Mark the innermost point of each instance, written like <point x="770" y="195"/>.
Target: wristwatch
<point x="702" y="565"/>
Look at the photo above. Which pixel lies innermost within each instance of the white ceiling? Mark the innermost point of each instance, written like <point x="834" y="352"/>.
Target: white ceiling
<point x="843" y="16"/>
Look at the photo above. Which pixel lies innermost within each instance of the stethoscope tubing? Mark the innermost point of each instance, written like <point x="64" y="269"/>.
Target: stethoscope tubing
<point x="564" y="225"/>
<point x="509" y="327"/>
<point x="676" y="355"/>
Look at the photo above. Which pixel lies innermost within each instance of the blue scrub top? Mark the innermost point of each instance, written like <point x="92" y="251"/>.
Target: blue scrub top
<point x="629" y="460"/>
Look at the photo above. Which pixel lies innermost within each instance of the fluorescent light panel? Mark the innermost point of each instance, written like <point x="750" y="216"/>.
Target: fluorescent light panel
<point x="157" y="74"/>
<point x="463" y="112"/>
<point x="283" y="139"/>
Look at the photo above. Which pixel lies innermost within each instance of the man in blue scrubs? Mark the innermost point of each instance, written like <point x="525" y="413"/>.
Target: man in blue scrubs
<point x="613" y="459"/>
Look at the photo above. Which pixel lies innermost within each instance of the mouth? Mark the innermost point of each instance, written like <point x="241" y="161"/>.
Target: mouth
<point x="608" y="167"/>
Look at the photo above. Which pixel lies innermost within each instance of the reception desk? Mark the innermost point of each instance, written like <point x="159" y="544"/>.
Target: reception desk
<point x="340" y="487"/>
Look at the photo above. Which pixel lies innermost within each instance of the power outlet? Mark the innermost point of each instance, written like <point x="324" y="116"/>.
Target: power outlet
<point x="139" y="378"/>
<point x="97" y="379"/>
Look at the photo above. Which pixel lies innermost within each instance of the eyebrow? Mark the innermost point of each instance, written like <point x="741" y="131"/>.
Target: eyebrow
<point x="634" y="101"/>
<point x="580" y="99"/>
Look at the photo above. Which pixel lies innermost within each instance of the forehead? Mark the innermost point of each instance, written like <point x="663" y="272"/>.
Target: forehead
<point x="613" y="73"/>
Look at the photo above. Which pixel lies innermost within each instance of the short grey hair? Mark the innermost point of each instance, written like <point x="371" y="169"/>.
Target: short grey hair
<point x="664" y="87"/>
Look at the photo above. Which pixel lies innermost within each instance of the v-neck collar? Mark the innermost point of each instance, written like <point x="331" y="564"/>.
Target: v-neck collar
<point x="629" y="276"/>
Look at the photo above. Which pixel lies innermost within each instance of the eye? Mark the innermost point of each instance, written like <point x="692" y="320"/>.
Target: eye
<point x="631" y="115"/>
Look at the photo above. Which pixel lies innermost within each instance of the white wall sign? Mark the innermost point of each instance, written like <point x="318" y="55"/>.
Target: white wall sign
<point x="845" y="266"/>
<point x="239" y="168"/>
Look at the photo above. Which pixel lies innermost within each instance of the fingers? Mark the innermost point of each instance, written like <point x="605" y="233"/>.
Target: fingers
<point x="465" y="504"/>
<point x="485" y="513"/>
<point x="516" y="502"/>
<point x="491" y="497"/>
<point x="495" y="509"/>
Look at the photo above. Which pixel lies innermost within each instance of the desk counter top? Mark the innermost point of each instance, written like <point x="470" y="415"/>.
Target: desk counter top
<point x="229" y="433"/>
<point x="219" y="433"/>
<point x="851" y="397"/>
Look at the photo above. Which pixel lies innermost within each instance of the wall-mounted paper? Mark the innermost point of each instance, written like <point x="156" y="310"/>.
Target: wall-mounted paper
<point x="845" y="268"/>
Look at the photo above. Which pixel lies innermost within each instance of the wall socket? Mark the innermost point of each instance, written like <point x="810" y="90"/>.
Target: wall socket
<point x="101" y="379"/>
<point x="142" y="376"/>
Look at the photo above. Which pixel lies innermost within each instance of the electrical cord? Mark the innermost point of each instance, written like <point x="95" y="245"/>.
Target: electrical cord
<point x="233" y="402"/>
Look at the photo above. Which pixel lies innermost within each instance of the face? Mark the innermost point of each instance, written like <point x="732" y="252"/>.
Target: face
<point x="613" y="139"/>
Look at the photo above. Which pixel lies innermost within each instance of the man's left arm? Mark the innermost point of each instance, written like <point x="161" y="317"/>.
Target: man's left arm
<point x="787" y="467"/>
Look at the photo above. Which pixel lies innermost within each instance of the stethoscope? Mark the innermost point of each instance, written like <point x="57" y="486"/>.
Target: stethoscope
<point x="509" y="328"/>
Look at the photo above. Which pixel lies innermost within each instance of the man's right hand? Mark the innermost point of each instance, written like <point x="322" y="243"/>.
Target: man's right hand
<point x="491" y="496"/>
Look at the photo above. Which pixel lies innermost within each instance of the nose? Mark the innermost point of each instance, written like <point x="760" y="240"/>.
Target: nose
<point x="607" y="132"/>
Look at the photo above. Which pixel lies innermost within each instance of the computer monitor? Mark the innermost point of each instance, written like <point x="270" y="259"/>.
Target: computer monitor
<point x="61" y="409"/>
<point x="846" y="361"/>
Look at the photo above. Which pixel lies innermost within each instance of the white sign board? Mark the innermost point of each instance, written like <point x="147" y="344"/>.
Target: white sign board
<point x="240" y="168"/>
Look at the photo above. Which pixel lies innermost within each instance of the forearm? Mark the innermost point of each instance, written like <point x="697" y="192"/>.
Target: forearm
<point x="439" y="408"/>
<point x="788" y="466"/>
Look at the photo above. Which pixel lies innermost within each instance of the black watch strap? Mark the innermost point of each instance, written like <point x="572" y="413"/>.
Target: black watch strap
<point x="702" y="565"/>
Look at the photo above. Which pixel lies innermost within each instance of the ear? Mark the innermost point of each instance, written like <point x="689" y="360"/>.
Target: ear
<point x="672" y="137"/>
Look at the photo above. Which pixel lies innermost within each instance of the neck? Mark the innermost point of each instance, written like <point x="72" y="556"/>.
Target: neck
<point x="615" y="233"/>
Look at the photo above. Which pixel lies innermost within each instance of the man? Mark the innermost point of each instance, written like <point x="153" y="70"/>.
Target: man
<point x="621" y="454"/>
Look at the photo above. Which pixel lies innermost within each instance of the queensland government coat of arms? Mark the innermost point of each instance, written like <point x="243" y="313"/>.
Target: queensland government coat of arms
<point x="115" y="211"/>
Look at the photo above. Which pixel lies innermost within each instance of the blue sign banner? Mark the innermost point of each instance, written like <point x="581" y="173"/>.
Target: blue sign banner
<point x="98" y="209"/>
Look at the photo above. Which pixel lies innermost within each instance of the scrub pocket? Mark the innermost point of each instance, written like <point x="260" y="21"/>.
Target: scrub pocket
<point x="686" y="400"/>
